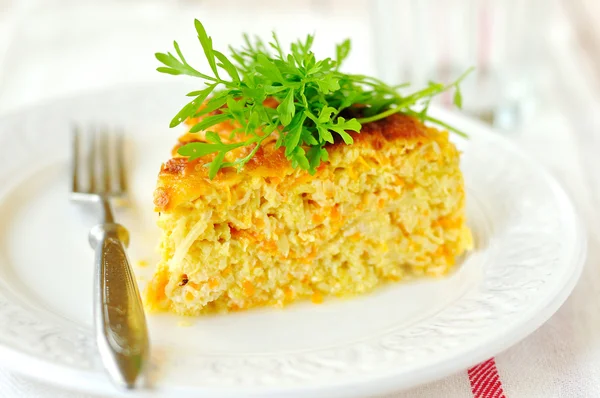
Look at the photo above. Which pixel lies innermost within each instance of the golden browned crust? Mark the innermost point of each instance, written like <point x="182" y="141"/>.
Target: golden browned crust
<point x="181" y="180"/>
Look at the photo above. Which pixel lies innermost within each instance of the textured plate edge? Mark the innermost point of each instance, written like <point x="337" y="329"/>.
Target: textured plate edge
<point x="67" y="377"/>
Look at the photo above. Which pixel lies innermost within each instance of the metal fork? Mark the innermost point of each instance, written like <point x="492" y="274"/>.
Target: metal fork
<point x="119" y="321"/>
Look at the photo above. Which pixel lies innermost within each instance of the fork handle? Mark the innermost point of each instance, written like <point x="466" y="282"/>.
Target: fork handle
<point x="121" y="332"/>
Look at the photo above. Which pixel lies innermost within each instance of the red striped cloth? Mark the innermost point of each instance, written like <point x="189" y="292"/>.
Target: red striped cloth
<point x="485" y="380"/>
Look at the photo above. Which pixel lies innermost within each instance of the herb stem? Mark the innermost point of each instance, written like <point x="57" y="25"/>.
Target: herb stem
<point x="381" y="115"/>
<point x="437" y="122"/>
<point x="445" y="125"/>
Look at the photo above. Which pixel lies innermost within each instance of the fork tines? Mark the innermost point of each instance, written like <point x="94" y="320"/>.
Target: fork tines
<point x="98" y="162"/>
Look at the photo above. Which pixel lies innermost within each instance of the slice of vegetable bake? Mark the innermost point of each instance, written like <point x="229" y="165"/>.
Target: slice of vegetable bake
<point x="387" y="208"/>
<point x="299" y="181"/>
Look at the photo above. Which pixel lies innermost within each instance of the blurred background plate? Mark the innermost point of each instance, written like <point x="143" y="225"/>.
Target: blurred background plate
<point x="529" y="253"/>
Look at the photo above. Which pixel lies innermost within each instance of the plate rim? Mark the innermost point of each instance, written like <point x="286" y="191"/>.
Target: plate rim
<point x="81" y="380"/>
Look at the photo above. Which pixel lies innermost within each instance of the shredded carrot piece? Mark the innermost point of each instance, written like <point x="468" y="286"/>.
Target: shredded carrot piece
<point x="248" y="288"/>
<point x="317" y="218"/>
<point x="213" y="282"/>
<point x="352" y="173"/>
<point x="311" y="256"/>
<point x="157" y="286"/>
<point x="335" y="213"/>
<point x="364" y="162"/>
<point x="448" y="223"/>
<point x="317" y="298"/>
<point x="289" y="294"/>
<point x="270" y="246"/>
<point x="392" y="194"/>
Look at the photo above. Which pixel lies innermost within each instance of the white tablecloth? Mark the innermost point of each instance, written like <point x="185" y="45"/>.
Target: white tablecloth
<point x="561" y="359"/>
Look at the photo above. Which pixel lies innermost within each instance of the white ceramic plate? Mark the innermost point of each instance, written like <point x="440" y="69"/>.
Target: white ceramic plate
<point x="528" y="255"/>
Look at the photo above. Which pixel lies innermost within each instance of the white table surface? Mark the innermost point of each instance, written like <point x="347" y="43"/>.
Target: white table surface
<point x="562" y="358"/>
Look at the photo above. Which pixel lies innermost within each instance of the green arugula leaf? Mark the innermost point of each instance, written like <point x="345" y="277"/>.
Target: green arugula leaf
<point x="215" y="165"/>
<point x="176" y="67"/>
<point x="227" y="65"/>
<point x="314" y="159"/>
<point x="216" y="102"/>
<point x="276" y="46"/>
<point x="325" y="114"/>
<point x="457" y="98"/>
<point x="315" y="155"/>
<point x="169" y="60"/>
<point x="328" y="84"/>
<point x="286" y="108"/>
<point x="292" y="138"/>
<point x="308" y="138"/>
<point x="192" y="107"/>
<point x="253" y="122"/>
<point x="213" y="137"/>
<point x="270" y="90"/>
<point x="342" y="125"/>
<point x="341" y="52"/>
<point x="237" y="109"/>
<point x="206" y="43"/>
<point x="298" y="158"/>
<point x="179" y="52"/>
<point x="170" y="71"/>
<point x="209" y="122"/>
<point x="197" y="150"/>
<point x="325" y="134"/>
<point x="266" y="67"/>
